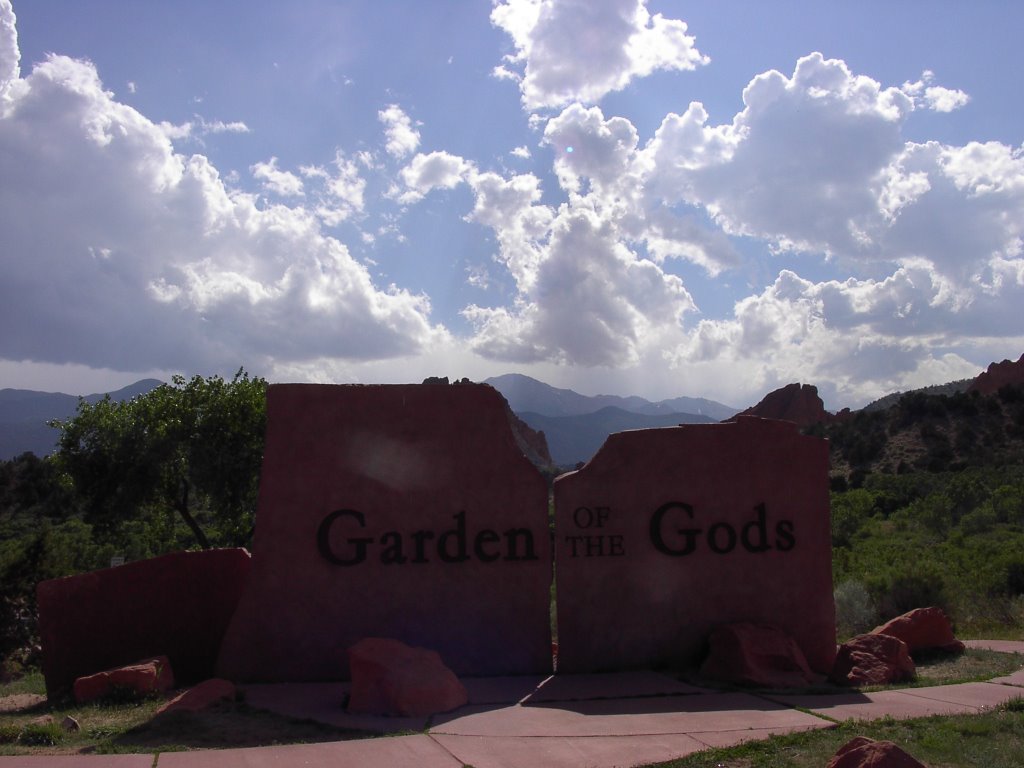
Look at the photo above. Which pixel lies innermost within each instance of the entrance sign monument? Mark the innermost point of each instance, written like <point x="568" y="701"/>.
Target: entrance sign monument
<point x="667" y="533"/>
<point x="404" y="512"/>
<point x="409" y="513"/>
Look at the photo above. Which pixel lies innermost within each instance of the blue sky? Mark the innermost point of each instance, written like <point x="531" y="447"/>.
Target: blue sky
<point x="658" y="198"/>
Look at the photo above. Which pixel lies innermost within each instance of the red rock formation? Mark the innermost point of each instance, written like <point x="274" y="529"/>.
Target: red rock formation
<point x="753" y="654"/>
<point x="148" y="676"/>
<point x="392" y="678"/>
<point x="872" y="660"/>
<point x="862" y="752"/>
<point x="798" y="403"/>
<point x="997" y="376"/>
<point x="922" y="629"/>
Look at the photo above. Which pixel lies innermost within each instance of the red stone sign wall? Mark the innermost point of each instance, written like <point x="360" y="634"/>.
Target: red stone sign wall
<point x="403" y="512"/>
<point x="668" y="533"/>
<point x="177" y="605"/>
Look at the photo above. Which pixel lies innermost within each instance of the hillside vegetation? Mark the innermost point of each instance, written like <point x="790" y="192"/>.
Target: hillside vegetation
<point x="928" y="509"/>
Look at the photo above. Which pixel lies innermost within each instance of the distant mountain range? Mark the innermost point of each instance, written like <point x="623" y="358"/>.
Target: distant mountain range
<point x="531" y="396"/>
<point x="577" y="425"/>
<point x="24" y="413"/>
<point x="572" y="439"/>
<point x="574" y="425"/>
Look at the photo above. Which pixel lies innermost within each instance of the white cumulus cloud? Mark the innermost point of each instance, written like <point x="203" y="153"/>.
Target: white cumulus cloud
<point x="580" y="50"/>
<point x="435" y="170"/>
<point x="283" y="183"/>
<point x="121" y="253"/>
<point x="10" y="56"/>
<point x="401" y="137"/>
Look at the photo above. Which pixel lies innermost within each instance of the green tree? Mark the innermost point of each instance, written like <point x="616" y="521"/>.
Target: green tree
<point x="189" y="448"/>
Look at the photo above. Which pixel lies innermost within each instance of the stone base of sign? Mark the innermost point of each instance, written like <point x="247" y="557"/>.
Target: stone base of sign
<point x="403" y="511"/>
<point x="669" y="533"/>
<point x="177" y="605"/>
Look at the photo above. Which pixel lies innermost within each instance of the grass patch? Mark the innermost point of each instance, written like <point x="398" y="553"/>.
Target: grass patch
<point x="971" y="666"/>
<point x="224" y="726"/>
<point x="990" y="740"/>
<point x="30" y="683"/>
<point x="132" y="726"/>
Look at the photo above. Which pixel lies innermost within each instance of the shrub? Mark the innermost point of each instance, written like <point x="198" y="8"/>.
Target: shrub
<point x="908" y="591"/>
<point x="41" y="734"/>
<point x="855" y="613"/>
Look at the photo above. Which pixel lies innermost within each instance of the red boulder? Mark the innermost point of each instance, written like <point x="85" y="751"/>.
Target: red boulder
<point x="200" y="697"/>
<point x="873" y="660"/>
<point x="863" y="752"/>
<point x="144" y="677"/>
<point x="392" y="678"/>
<point x="922" y="629"/>
<point x="754" y="654"/>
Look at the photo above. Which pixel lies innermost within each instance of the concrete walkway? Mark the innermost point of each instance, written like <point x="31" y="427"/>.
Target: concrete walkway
<point x="608" y="720"/>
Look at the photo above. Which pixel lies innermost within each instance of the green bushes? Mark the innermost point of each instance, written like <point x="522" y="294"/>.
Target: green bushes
<point x="953" y="540"/>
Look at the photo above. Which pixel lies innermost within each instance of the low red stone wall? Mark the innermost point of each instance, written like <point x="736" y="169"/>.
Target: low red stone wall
<point x="178" y="605"/>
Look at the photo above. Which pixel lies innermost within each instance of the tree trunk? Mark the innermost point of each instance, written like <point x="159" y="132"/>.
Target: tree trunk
<point x="189" y="520"/>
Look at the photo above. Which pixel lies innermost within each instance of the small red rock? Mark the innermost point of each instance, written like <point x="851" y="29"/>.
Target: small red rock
<point x="147" y="676"/>
<point x="872" y="660"/>
<point x="753" y="654"/>
<point x="922" y="629"/>
<point x="392" y="678"/>
<point x="200" y="697"/>
<point x="863" y="752"/>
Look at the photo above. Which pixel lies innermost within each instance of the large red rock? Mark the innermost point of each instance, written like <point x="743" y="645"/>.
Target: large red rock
<point x="392" y="678"/>
<point x="997" y="376"/>
<point x="402" y="511"/>
<point x="756" y="654"/>
<point x="873" y="660"/>
<point x="200" y="697"/>
<point x="179" y="605"/>
<point x="142" y="678"/>
<point x="668" y="533"/>
<point x="862" y="752"/>
<point x="922" y="629"/>
<point x="793" y="402"/>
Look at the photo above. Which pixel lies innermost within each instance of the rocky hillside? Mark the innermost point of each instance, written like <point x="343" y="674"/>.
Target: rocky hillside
<point x="999" y="375"/>
<point x="946" y="428"/>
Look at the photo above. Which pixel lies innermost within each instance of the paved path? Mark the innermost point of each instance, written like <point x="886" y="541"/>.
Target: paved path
<point x="565" y="721"/>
